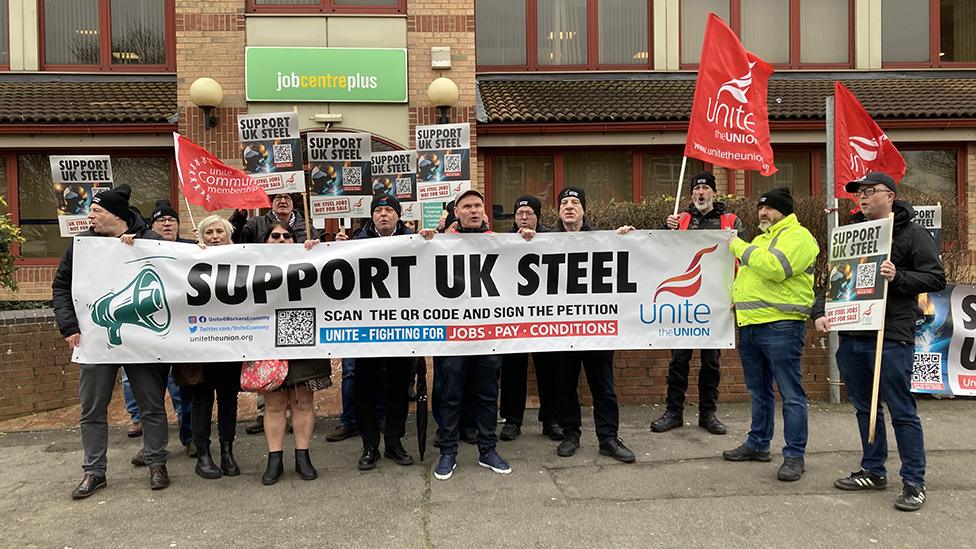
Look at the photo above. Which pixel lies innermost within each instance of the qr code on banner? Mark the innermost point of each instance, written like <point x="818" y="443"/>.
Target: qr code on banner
<point x="927" y="368"/>
<point x="452" y="163"/>
<point x="866" y="275"/>
<point x="403" y="185"/>
<point x="282" y="154"/>
<point x="352" y="176"/>
<point x="294" y="327"/>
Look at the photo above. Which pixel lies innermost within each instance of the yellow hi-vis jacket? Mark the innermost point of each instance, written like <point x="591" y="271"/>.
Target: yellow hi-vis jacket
<point x="775" y="279"/>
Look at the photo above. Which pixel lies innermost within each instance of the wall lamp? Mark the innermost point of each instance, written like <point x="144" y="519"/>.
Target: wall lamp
<point x="207" y="94"/>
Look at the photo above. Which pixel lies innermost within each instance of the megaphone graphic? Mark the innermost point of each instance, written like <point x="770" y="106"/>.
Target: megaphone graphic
<point x="142" y="302"/>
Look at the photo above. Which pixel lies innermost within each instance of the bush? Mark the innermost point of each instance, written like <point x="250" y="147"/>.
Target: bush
<point x="811" y="212"/>
<point x="9" y="236"/>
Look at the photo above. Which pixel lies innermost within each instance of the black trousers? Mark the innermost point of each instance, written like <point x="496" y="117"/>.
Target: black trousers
<point x="708" y="379"/>
<point x="369" y="389"/>
<point x="513" y="389"/>
<point x="459" y="377"/>
<point x="222" y="380"/>
<point x="598" y="366"/>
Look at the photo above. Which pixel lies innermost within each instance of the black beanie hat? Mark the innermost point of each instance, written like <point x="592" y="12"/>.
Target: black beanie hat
<point x="163" y="207"/>
<point x="385" y="200"/>
<point x="530" y="201"/>
<point x="116" y="201"/>
<point x="573" y="191"/>
<point x="704" y="178"/>
<point x="779" y="198"/>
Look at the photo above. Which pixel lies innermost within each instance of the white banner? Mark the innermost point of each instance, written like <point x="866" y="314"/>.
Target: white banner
<point x="402" y="296"/>
<point x="855" y="293"/>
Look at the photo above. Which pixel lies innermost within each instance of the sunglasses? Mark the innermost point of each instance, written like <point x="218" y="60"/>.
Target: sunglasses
<point x="281" y="236"/>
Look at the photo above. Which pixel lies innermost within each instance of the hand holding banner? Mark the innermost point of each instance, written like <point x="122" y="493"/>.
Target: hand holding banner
<point x="208" y="182"/>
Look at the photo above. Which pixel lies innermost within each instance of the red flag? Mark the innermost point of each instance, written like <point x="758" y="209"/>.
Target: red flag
<point x="210" y="183"/>
<point x="859" y="144"/>
<point x="729" y="122"/>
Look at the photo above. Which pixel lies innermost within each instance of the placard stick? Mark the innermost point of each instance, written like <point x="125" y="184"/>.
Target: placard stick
<point x="308" y="216"/>
<point x="188" y="210"/>
<point x="681" y="179"/>
<point x="872" y="424"/>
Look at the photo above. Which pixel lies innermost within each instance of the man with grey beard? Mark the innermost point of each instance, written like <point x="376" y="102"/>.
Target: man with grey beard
<point x="704" y="212"/>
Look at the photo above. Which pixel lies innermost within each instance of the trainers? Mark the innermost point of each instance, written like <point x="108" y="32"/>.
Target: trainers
<point x="669" y="420"/>
<point x="791" y="470"/>
<point x="445" y="467"/>
<point x="862" y="480"/>
<point x="510" y="431"/>
<point x="494" y="462"/>
<point x="569" y="445"/>
<point x="911" y="498"/>
<point x="341" y="432"/>
<point x="745" y="453"/>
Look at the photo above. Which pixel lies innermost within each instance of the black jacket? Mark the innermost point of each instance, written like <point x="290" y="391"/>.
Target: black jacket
<point x="369" y="230"/>
<point x="251" y="231"/>
<point x="64" y="308"/>
<point x="713" y="219"/>
<point x="918" y="269"/>
<point x="560" y="228"/>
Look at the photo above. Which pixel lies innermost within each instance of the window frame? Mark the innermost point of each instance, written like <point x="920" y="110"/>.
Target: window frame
<point x="13" y="185"/>
<point x="817" y="177"/>
<point x="935" y="45"/>
<point x="592" y="44"/>
<point x="105" y="43"/>
<point x="735" y="22"/>
<point x="328" y="7"/>
<point x="6" y="66"/>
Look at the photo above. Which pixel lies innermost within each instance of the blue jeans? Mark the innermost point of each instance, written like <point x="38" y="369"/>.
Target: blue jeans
<point x="180" y="404"/>
<point x="772" y="351"/>
<point x="855" y="358"/>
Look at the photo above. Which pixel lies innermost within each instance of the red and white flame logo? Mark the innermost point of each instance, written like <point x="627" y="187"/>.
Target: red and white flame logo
<point x="688" y="283"/>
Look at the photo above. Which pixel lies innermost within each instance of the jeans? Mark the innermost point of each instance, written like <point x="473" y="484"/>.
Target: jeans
<point x="467" y="422"/>
<point x="598" y="366"/>
<point x="180" y="405"/>
<point x="855" y="358"/>
<point x="770" y="352"/>
<point x="708" y="379"/>
<point x="224" y="382"/>
<point x="477" y="375"/>
<point x="95" y="386"/>
<point x="513" y="387"/>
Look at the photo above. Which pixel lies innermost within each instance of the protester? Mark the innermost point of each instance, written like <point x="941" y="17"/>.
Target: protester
<point x="304" y="377"/>
<point x="478" y="373"/>
<point x="914" y="267"/>
<point x="704" y="212"/>
<point x="216" y="380"/>
<point x="598" y="365"/>
<point x="111" y="217"/>
<point x="385" y="212"/>
<point x="514" y="375"/>
<point x="773" y="292"/>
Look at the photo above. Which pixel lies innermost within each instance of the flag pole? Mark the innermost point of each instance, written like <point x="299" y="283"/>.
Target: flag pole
<point x="188" y="210"/>
<point x="872" y="423"/>
<point x="681" y="179"/>
<point x="833" y="371"/>
<point x="308" y="216"/>
<point x="179" y="173"/>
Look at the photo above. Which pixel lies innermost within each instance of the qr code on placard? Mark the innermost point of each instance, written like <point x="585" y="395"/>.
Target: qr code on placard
<point x="352" y="176"/>
<point x="927" y="368"/>
<point x="294" y="327"/>
<point x="403" y="185"/>
<point x="866" y="275"/>
<point x="282" y="154"/>
<point x="452" y="163"/>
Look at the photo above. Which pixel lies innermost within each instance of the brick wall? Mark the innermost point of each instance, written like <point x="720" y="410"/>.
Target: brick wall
<point x="36" y="373"/>
<point x="33" y="283"/>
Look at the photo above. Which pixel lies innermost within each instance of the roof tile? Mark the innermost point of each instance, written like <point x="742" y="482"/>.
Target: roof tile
<point x="87" y="102"/>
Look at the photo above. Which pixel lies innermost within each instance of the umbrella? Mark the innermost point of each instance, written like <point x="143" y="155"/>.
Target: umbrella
<point x="422" y="407"/>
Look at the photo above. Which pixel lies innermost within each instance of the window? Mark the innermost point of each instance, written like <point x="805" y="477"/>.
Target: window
<point x="114" y="35"/>
<point x="327" y="6"/>
<point x="4" y="34"/>
<point x="560" y="34"/>
<point x="931" y="33"/>
<point x="794" y="170"/>
<point x="932" y="172"/>
<point x="789" y="34"/>
<point x="661" y="173"/>
<point x="606" y="175"/>
<point x="514" y="175"/>
<point x="151" y="178"/>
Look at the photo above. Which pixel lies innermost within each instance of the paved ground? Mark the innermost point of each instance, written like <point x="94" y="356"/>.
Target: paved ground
<point x="680" y="493"/>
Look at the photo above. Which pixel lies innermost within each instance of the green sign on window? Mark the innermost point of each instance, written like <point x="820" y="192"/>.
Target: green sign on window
<point x="366" y="75"/>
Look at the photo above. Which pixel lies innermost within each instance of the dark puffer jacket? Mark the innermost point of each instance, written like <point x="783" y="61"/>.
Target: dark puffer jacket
<point x="918" y="269"/>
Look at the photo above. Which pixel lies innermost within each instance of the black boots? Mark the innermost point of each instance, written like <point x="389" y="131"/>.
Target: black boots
<point x="228" y="465"/>
<point x="274" y="470"/>
<point x="206" y="468"/>
<point x="303" y="465"/>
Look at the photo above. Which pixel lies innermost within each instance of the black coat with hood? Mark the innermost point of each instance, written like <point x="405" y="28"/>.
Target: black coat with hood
<point x="918" y="269"/>
<point x="64" y="308"/>
<point x="369" y="230"/>
<point x="713" y="219"/>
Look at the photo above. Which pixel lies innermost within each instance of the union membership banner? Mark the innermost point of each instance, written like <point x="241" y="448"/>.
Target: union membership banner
<point x="271" y="149"/>
<point x="855" y="293"/>
<point x="402" y="296"/>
